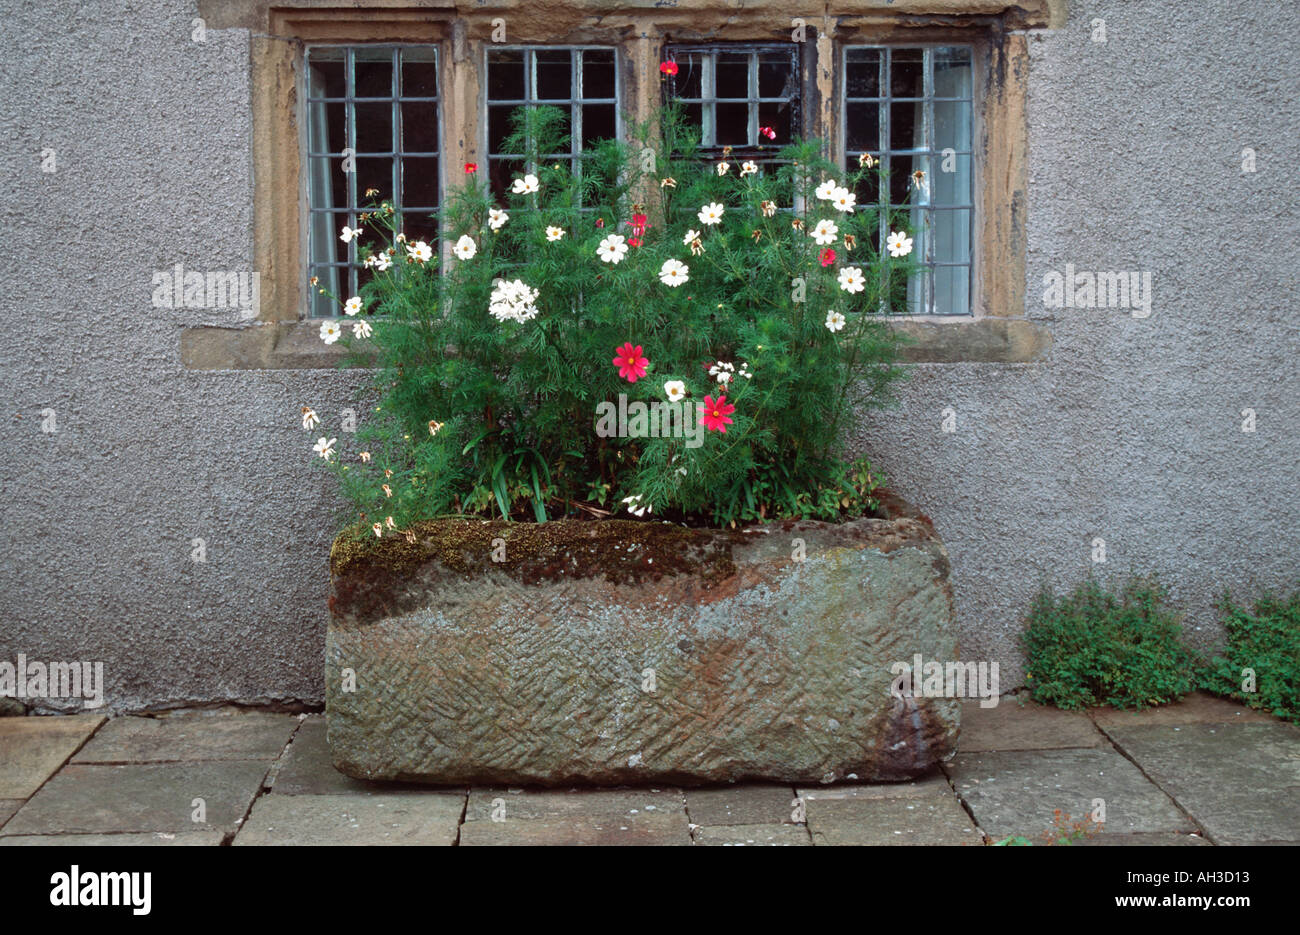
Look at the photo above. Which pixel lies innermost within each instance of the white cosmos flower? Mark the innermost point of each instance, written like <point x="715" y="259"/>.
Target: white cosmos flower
<point x="711" y="214"/>
<point x="419" y="251"/>
<point x="690" y="236"/>
<point x="361" y="328"/>
<point x="309" y="418"/>
<point x="723" y="167"/>
<point x="379" y="261"/>
<point x="634" y="505"/>
<point x="330" y="331"/>
<point x="851" y="279"/>
<point x="824" y="233"/>
<point x="554" y="233"/>
<point x="349" y="233"/>
<point x="844" y="200"/>
<point x="512" y="300"/>
<point x="674" y="273"/>
<point x="324" y="447"/>
<point x="496" y="218"/>
<point x="612" y="248"/>
<point x="748" y="168"/>
<point x="352" y="305"/>
<point x="834" y="320"/>
<point x="525" y="186"/>
<point x="465" y="248"/>
<point x="899" y="244"/>
<point x="676" y="390"/>
<point x="826" y="190"/>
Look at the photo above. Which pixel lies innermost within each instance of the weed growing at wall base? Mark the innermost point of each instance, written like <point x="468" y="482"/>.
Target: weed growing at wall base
<point x="1261" y="663"/>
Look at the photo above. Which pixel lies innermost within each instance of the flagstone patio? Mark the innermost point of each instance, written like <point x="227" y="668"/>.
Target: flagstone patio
<point x="1202" y="772"/>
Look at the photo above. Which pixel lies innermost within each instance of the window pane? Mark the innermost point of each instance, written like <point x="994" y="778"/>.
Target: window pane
<point x="419" y="183"/>
<point x="950" y="184"/>
<point x="690" y="71"/>
<point x="951" y="288"/>
<point x="499" y="120"/>
<point x="374" y="74"/>
<point x="862" y="73"/>
<point x="419" y="73"/>
<point x="731" y="78"/>
<point x="598" y="74"/>
<point x="374" y="127"/>
<point x="374" y="173"/>
<point x="907" y="125"/>
<point x="780" y="117"/>
<point x="733" y="124"/>
<point x="776" y="75"/>
<point x="419" y="126"/>
<point x="952" y="125"/>
<point x="597" y="123"/>
<point x="951" y="236"/>
<point x="506" y="75"/>
<point x="952" y="72"/>
<point x="554" y="75"/>
<point x="862" y="126"/>
<point x="325" y="73"/>
<point x="907" y="73"/>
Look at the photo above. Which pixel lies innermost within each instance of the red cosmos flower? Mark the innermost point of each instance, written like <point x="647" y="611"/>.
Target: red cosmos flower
<point x="668" y="68"/>
<point x="600" y="222"/>
<point x="827" y="256"/>
<point x="471" y="168"/>
<point x="767" y="132"/>
<point x="638" y="225"/>
<point x="631" y="363"/>
<point x="714" y="413"/>
<point x="634" y="241"/>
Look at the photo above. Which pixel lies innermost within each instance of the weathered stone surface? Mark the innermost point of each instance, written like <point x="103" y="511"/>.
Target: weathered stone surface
<point x="354" y="819"/>
<point x="750" y="804"/>
<point x="1196" y="708"/>
<point x="891" y="820"/>
<point x="306" y="768"/>
<point x="753" y="836"/>
<point x="11" y="707"/>
<point x="1142" y="840"/>
<point x="154" y="797"/>
<point x="1241" y="782"/>
<point x="156" y="839"/>
<point x="238" y="735"/>
<point x="620" y="804"/>
<point x="1028" y="726"/>
<point x="32" y="748"/>
<point x="1019" y="793"/>
<point x="537" y="669"/>
<point x="7" y="809"/>
<point x="652" y="829"/>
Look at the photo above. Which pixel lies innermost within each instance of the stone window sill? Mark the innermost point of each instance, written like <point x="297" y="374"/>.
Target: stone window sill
<point x="297" y="345"/>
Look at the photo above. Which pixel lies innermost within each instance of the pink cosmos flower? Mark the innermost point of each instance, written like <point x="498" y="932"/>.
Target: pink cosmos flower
<point x="827" y="256"/>
<point x="714" y="413"/>
<point x="631" y="362"/>
<point x="767" y="132"/>
<point x="668" y="68"/>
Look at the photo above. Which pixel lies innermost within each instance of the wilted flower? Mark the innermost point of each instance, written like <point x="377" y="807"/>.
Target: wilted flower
<point x="379" y="530"/>
<point x="364" y="456"/>
<point x="419" y="251"/>
<point x="866" y="160"/>
<point x="748" y="168"/>
<point x="768" y="208"/>
<point x="723" y="167"/>
<point x="434" y="426"/>
<point x="669" y="182"/>
<point x="634" y="507"/>
<point x="850" y="241"/>
<point x="309" y="418"/>
<point x="361" y="328"/>
<point x="388" y="491"/>
<point x="918" y="179"/>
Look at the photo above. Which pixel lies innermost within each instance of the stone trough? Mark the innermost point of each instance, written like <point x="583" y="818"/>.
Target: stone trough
<point x="612" y="652"/>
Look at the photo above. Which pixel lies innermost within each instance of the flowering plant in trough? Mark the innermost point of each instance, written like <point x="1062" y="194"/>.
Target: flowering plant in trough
<point x="644" y="331"/>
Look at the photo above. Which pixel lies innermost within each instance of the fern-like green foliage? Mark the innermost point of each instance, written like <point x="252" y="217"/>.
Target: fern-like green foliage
<point x="1261" y="663"/>
<point x="491" y="415"/>
<point x="1097" y="647"/>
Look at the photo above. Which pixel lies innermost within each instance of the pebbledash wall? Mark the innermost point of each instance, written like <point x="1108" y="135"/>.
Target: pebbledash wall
<point x="1127" y="429"/>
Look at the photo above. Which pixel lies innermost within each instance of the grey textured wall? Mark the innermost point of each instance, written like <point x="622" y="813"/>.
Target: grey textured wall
<point x="1130" y="431"/>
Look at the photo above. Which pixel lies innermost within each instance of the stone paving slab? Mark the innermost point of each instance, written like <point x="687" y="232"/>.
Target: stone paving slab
<point x="1157" y="839"/>
<point x="155" y="839"/>
<point x="1196" y="708"/>
<point x="933" y="784"/>
<point x="306" y="769"/>
<point x="749" y="804"/>
<point x="753" y="836"/>
<point x="32" y="748"/>
<point x="7" y="809"/>
<point x="241" y="735"/>
<point x="1241" y="781"/>
<point x="890" y="820"/>
<point x="642" y="829"/>
<point x="1017" y="793"/>
<point x="1028" y="726"/>
<point x="511" y="804"/>
<point x="353" y="819"/>
<point x="149" y="797"/>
